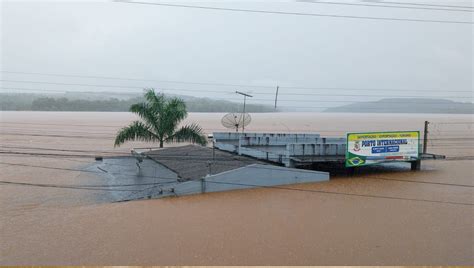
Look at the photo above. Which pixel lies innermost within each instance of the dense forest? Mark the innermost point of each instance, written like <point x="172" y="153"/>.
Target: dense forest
<point x="77" y="102"/>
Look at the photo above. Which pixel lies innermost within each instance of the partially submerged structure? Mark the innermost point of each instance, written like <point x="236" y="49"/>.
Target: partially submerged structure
<point x="247" y="160"/>
<point x="202" y="169"/>
<point x="290" y="150"/>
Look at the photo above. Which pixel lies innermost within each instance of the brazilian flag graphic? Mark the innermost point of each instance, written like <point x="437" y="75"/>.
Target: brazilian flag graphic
<point x="353" y="160"/>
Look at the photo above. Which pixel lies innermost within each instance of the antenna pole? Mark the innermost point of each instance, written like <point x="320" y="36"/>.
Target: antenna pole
<point x="243" y="115"/>
<point x="276" y="97"/>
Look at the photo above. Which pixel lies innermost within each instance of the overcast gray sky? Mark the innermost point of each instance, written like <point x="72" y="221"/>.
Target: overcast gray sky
<point x="102" y="38"/>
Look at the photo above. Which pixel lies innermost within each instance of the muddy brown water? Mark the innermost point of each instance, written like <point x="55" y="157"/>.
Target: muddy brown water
<point x="374" y="218"/>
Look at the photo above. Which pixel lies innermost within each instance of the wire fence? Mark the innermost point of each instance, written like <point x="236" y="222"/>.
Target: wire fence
<point x="451" y="136"/>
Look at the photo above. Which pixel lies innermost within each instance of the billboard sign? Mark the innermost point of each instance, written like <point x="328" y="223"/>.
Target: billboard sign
<point x="379" y="147"/>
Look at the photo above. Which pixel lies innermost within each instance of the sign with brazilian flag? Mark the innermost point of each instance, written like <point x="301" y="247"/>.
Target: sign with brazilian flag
<point x="378" y="147"/>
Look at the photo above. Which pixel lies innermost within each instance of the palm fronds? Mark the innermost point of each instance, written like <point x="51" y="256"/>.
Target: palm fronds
<point x="189" y="133"/>
<point x="144" y="110"/>
<point x="173" y="113"/>
<point x="135" y="131"/>
<point x="160" y="119"/>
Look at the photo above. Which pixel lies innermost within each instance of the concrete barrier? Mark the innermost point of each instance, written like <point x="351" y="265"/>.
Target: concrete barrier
<point x="260" y="139"/>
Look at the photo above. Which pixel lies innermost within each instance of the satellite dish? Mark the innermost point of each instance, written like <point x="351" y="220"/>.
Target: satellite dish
<point x="236" y="121"/>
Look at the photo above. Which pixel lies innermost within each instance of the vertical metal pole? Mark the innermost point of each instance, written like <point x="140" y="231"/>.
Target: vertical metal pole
<point x="425" y="137"/>
<point x="276" y="97"/>
<point x="203" y="185"/>
<point x="213" y="150"/>
<point x="243" y="118"/>
<point x="209" y="165"/>
<point x="243" y="114"/>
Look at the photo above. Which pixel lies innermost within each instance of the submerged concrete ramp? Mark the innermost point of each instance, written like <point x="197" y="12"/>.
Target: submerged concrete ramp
<point x="252" y="176"/>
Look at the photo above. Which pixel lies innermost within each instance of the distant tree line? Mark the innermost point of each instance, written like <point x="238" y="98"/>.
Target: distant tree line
<point x="64" y="104"/>
<point x="36" y="102"/>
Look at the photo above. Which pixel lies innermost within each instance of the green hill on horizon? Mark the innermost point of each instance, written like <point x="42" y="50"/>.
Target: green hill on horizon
<point x="406" y="105"/>
<point x="111" y="102"/>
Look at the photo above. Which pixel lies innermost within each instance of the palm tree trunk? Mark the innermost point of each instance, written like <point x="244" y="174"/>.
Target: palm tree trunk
<point x="161" y="143"/>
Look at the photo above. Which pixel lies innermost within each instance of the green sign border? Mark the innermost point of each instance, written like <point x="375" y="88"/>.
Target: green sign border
<point x="374" y="132"/>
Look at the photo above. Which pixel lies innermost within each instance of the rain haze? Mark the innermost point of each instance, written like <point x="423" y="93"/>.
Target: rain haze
<point x="304" y="132"/>
<point x="252" y="52"/>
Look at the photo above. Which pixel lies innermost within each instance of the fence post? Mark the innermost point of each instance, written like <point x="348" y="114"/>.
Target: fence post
<point x="425" y="137"/>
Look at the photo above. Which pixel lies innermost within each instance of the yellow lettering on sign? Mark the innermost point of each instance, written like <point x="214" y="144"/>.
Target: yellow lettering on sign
<point x="383" y="135"/>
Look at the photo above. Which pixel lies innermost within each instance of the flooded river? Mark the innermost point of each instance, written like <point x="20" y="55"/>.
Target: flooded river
<point x="394" y="216"/>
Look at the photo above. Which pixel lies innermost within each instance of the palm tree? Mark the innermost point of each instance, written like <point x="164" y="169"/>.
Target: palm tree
<point x="160" y="119"/>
